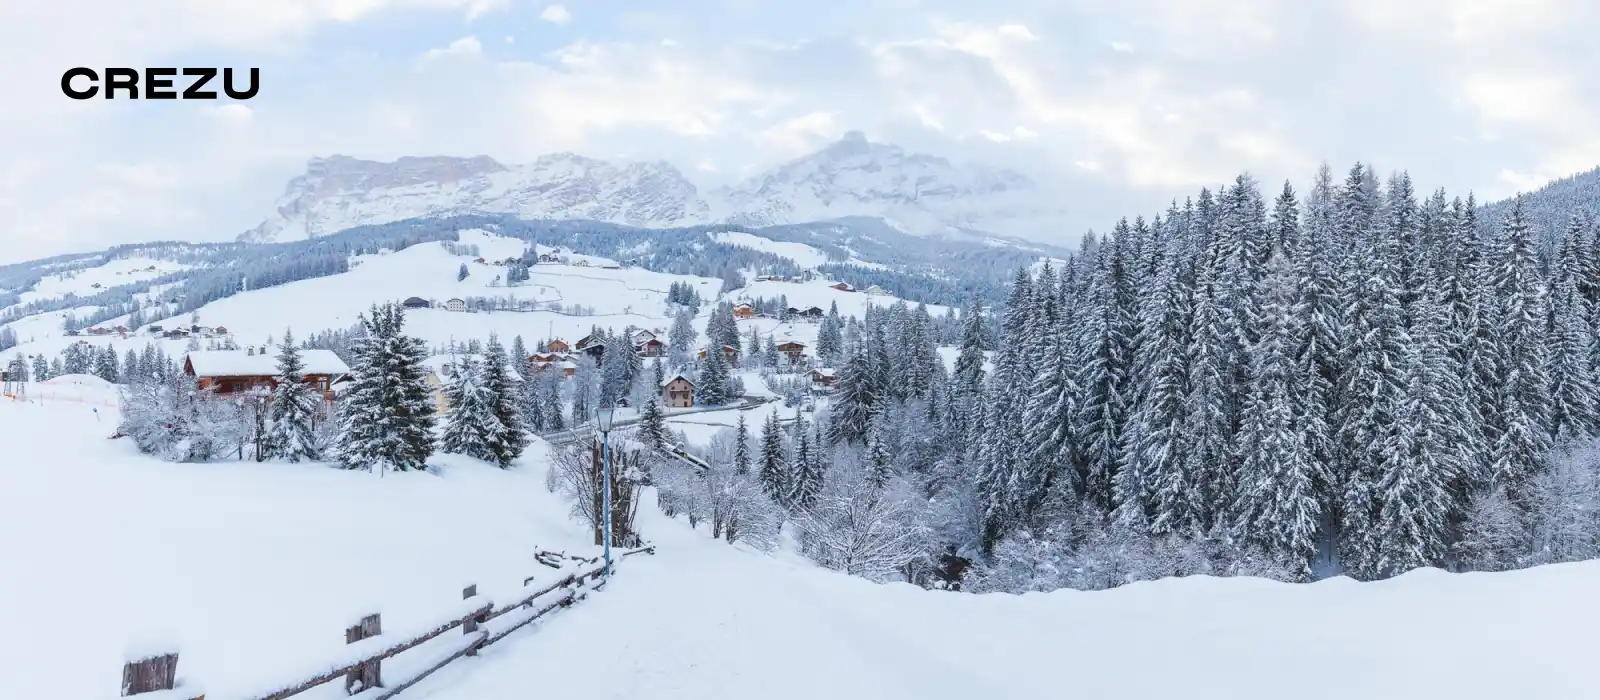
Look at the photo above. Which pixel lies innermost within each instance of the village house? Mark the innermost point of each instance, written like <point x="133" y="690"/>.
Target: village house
<point x="677" y="392"/>
<point x="744" y="311"/>
<point x="548" y="258"/>
<point x="416" y="303"/>
<point x="877" y="291"/>
<point x="728" y="351"/>
<point x="455" y="305"/>
<point x="478" y="260"/>
<point x="652" y="347"/>
<point x="558" y="345"/>
<point x="592" y="345"/>
<point x="232" y="371"/>
<point x="823" y="378"/>
<point x="793" y="350"/>
<point x="581" y="263"/>
<point x="841" y="286"/>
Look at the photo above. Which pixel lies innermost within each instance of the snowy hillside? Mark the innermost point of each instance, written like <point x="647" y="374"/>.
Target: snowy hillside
<point x="607" y="297"/>
<point x="252" y="570"/>
<point x="916" y="193"/>
<point x="565" y="300"/>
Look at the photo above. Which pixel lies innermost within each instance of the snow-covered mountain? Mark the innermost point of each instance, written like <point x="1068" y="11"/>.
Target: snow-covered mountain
<point x="915" y="193"/>
<point x="341" y="192"/>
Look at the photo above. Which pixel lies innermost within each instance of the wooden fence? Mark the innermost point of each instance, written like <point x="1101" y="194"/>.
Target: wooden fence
<point x="155" y="677"/>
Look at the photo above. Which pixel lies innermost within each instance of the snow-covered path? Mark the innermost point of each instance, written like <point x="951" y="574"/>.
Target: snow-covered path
<point x="698" y="621"/>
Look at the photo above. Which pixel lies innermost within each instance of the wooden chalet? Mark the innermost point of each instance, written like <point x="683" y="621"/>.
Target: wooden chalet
<point x="744" y="311"/>
<point x="232" y="371"/>
<point x="823" y="377"/>
<point x="652" y="347"/>
<point x="793" y="350"/>
<point x="416" y="303"/>
<point x="677" y="392"/>
<point x="558" y="345"/>
<point x="728" y="351"/>
<point x="591" y="345"/>
<point x="841" y="286"/>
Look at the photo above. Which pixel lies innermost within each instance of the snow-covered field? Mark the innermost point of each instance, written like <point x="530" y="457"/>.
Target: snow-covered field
<point x="253" y="570"/>
<point x="803" y="255"/>
<point x="113" y="273"/>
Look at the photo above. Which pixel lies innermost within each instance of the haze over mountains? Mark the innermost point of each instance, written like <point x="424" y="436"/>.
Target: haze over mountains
<point x="916" y="193"/>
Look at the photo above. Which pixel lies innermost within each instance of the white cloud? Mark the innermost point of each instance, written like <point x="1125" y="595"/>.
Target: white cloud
<point x="801" y="134"/>
<point x="465" y="46"/>
<point x="1213" y="87"/>
<point x="556" y="14"/>
<point x="232" y="113"/>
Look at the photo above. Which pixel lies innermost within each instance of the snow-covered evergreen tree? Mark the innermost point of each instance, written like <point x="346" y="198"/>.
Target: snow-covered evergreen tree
<point x="505" y="391"/>
<point x="292" y="409"/>
<point x="386" y="414"/>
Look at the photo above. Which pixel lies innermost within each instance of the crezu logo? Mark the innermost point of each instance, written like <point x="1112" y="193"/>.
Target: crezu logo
<point x="159" y="83"/>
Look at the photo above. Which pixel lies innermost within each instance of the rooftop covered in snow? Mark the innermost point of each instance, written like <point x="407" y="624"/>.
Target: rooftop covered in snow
<point x="239" y="363"/>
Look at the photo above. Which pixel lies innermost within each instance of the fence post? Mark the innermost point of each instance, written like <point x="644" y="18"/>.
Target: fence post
<point x="471" y="625"/>
<point x="369" y="674"/>
<point x="151" y="674"/>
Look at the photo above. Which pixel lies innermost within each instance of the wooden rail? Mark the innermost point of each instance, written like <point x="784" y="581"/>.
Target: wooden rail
<point x="155" y="677"/>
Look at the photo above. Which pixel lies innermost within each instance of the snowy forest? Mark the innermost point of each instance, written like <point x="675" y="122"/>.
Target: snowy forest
<point x="1356" y="382"/>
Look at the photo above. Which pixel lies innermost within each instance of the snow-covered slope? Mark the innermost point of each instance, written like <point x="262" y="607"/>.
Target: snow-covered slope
<point x="616" y="298"/>
<point x="252" y="570"/>
<point x="916" y="193"/>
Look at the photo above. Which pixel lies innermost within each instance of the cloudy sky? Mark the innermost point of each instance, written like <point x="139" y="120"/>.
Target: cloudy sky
<point x="1120" y="105"/>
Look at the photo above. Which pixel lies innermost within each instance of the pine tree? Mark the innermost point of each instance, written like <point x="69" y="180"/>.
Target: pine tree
<point x="291" y="412"/>
<point x="1574" y="395"/>
<point x="829" y="340"/>
<point x="1277" y="505"/>
<point x="653" y="425"/>
<point x="712" y="388"/>
<point x="462" y="273"/>
<point x="131" y="371"/>
<point x="741" y="447"/>
<point x="1105" y="357"/>
<point x="880" y="465"/>
<point x="1155" y="483"/>
<point x="386" y="417"/>
<point x="1523" y="440"/>
<point x="505" y="391"/>
<point x="41" y="368"/>
<point x="470" y="428"/>
<point x="1372" y="395"/>
<point x="804" y="468"/>
<point x="1412" y="492"/>
<point x="773" y="472"/>
<point x="854" y="401"/>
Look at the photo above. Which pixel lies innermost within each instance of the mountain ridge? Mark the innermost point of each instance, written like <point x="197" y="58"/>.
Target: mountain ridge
<point x="915" y="193"/>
